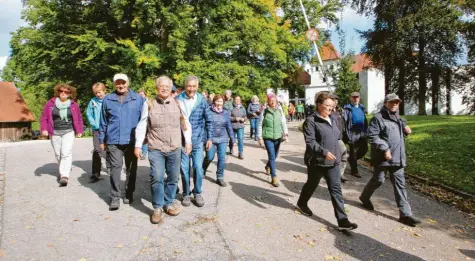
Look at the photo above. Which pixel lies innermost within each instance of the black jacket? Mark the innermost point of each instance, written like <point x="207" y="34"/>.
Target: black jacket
<point x="386" y="132"/>
<point x="320" y="138"/>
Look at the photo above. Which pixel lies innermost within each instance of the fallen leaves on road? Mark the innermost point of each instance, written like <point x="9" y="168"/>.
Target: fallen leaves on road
<point x="107" y="218"/>
<point x="76" y="219"/>
<point x="119" y="246"/>
<point x="311" y="243"/>
<point x="430" y="220"/>
<point x="416" y="235"/>
<point x="51" y="245"/>
<point x="323" y="229"/>
<point x="83" y="259"/>
<point x="328" y="257"/>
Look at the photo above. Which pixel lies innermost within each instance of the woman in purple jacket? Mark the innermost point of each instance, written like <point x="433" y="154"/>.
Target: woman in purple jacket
<point x="61" y="120"/>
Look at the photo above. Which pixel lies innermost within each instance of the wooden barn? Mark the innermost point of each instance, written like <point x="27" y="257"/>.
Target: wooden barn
<point x="15" y="117"/>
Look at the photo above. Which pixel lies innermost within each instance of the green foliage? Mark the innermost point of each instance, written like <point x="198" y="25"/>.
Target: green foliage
<point x="345" y="79"/>
<point x="412" y="39"/>
<point x="241" y="45"/>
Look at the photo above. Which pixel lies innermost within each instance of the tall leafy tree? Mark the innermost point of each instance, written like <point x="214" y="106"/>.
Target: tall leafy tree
<point x="243" y="45"/>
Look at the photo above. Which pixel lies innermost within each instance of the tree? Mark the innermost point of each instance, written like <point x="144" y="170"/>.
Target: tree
<point x="345" y="79"/>
<point x="240" y="45"/>
<point x="427" y="30"/>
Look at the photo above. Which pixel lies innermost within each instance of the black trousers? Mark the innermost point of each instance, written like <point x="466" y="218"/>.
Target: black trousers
<point x="358" y="148"/>
<point x="332" y="176"/>
<point x="116" y="154"/>
<point x="97" y="154"/>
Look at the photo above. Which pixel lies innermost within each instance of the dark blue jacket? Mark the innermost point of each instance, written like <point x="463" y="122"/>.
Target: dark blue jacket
<point x="348" y="123"/>
<point x="118" y="121"/>
<point x="197" y="118"/>
<point x="253" y="108"/>
<point x="218" y="126"/>
<point x="385" y="132"/>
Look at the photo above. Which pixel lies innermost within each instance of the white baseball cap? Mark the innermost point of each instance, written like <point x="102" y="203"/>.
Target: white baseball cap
<point x="121" y="76"/>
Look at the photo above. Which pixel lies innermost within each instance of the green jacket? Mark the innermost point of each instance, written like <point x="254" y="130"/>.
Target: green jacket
<point x="272" y="124"/>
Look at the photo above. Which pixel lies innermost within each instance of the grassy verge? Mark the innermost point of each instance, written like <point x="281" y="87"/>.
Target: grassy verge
<point x="442" y="149"/>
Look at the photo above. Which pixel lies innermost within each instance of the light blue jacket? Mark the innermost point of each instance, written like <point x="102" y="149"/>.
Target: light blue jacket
<point x="93" y="113"/>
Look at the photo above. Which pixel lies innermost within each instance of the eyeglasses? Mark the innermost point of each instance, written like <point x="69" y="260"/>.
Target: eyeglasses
<point x="355" y="97"/>
<point x="64" y="91"/>
<point x="328" y="106"/>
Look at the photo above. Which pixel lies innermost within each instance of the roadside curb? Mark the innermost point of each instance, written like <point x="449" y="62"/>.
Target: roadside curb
<point x="3" y="153"/>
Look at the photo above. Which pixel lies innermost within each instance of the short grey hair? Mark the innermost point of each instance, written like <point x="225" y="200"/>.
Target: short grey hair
<point x="228" y="92"/>
<point x="165" y="78"/>
<point x="190" y="78"/>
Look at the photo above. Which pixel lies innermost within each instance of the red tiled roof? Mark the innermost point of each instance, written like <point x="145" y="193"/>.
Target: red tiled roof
<point x="361" y="62"/>
<point x="328" y="52"/>
<point x="12" y="106"/>
<point x="304" y="78"/>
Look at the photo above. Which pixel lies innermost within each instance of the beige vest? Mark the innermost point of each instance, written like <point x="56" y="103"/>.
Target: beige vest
<point x="164" y="132"/>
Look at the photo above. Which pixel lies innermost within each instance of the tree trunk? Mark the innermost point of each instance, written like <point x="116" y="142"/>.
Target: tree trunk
<point x="401" y="86"/>
<point x="422" y="77"/>
<point x="435" y="79"/>
<point x="448" y="90"/>
<point x="388" y="73"/>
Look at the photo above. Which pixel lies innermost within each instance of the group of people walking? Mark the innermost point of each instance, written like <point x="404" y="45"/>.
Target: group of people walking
<point x="183" y="133"/>
<point x="324" y="130"/>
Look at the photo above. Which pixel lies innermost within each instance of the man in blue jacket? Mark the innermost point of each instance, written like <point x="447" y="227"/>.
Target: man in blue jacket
<point x="193" y="106"/>
<point x="355" y="131"/>
<point x="388" y="153"/>
<point x="120" y="114"/>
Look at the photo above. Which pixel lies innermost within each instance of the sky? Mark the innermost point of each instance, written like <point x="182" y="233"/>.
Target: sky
<point x="10" y="21"/>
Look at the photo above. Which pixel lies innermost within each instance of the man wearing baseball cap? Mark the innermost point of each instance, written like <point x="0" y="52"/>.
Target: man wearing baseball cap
<point x="121" y="112"/>
<point x="355" y="134"/>
<point x="386" y="134"/>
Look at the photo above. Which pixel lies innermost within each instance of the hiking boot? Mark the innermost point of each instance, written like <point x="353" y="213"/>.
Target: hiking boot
<point x="267" y="170"/>
<point x="172" y="210"/>
<point x="186" y="201"/>
<point x="345" y="224"/>
<point x="157" y="216"/>
<point x="275" y="182"/>
<point x="366" y="203"/>
<point x="240" y="156"/>
<point x="356" y="174"/>
<point x="221" y="182"/>
<point x="409" y="221"/>
<point x="63" y="181"/>
<point x="304" y="209"/>
<point x="94" y="179"/>
<point x="199" y="201"/>
<point x="115" y="204"/>
<point x="128" y="199"/>
<point x="343" y="180"/>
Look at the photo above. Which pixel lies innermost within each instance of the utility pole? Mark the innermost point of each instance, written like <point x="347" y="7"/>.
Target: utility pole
<point x="324" y="71"/>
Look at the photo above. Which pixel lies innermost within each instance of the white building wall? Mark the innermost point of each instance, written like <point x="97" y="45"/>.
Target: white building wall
<point x="311" y="91"/>
<point x="372" y="89"/>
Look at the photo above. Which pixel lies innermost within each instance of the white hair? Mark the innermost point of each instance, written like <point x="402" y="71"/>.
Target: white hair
<point x="228" y="92"/>
<point x="190" y="78"/>
<point x="164" y="78"/>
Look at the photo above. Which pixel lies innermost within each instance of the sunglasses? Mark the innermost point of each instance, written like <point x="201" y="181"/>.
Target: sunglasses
<point x="355" y="96"/>
<point x="64" y="91"/>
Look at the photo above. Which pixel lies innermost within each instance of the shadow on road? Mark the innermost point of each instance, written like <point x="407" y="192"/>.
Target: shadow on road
<point x="362" y="247"/>
<point x="48" y="169"/>
<point x="258" y="195"/>
<point x="467" y="252"/>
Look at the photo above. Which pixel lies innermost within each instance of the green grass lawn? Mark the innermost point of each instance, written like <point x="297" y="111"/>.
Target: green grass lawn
<point x="442" y="149"/>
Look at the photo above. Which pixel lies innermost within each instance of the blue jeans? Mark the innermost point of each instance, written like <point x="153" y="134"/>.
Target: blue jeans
<point x="163" y="192"/>
<point x="272" y="147"/>
<point x="254" y="122"/>
<point x="197" y="156"/>
<point x="240" y="136"/>
<point x="144" y="150"/>
<point x="221" y="148"/>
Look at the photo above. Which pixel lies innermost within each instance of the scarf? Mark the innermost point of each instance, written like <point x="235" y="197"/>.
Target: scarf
<point x="215" y="109"/>
<point x="97" y="101"/>
<point x="63" y="108"/>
